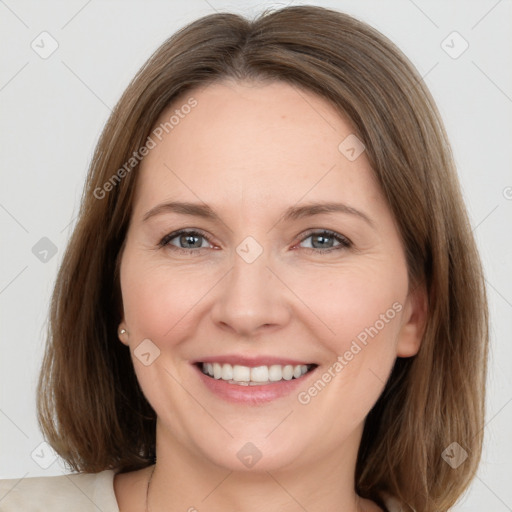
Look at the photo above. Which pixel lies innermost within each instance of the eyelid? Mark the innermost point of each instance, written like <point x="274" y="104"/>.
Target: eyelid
<point x="334" y="234"/>
<point x="344" y="242"/>
<point x="185" y="231"/>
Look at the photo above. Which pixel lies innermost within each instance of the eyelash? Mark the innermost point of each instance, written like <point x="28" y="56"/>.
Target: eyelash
<point x="345" y="243"/>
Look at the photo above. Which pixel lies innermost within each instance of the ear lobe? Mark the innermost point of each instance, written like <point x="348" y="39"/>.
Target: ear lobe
<point x="122" y="334"/>
<point x="413" y="323"/>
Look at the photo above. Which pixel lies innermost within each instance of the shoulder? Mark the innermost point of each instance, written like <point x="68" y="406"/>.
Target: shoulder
<point x="79" y="492"/>
<point x="391" y="503"/>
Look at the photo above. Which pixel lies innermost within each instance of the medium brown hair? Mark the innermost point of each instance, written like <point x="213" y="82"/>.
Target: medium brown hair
<point x="90" y="406"/>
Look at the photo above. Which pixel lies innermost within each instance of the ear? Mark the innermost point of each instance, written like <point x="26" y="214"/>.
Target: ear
<point x="414" y="321"/>
<point x="122" y="333"/>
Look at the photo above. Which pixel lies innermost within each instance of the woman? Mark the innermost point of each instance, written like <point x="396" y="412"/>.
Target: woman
<point x="272" y="297"/>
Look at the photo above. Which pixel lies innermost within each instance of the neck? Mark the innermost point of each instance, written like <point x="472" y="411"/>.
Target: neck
<point x="193" y="483"/>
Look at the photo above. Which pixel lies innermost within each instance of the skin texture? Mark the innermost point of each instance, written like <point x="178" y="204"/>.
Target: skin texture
<point x="250" y="150"/>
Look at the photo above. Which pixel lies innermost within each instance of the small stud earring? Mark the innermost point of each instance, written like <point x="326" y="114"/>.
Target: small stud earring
<point x="122" y="331"/>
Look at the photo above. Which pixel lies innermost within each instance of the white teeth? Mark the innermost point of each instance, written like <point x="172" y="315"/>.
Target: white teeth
<point x="227" y="372"/>
<point x="238" y="374"/>
<point x="288" y="372"/>
<point x="275" y="373"/>
<point x="241" y="373"/>
<point x="217" y="371"/>
<point x="259" y="374"/>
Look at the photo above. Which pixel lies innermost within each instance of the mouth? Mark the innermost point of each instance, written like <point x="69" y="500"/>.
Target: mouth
<point x="262" y="375"/>
<point x="253" y="380"/>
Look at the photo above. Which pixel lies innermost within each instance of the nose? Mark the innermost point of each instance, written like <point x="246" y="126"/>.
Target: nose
<point x="251" y="299"/>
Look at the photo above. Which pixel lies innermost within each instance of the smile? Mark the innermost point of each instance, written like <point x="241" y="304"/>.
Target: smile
<point x="254" y="376"/>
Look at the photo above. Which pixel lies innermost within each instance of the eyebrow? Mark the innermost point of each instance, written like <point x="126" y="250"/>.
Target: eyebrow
<point x="291" y="213"/>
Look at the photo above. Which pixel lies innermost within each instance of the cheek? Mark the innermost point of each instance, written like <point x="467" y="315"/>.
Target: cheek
<point x="156" y="298"/>
<point x="358" y="303"/>
<point x="158" y="302"/>
<point x="363" y="311"/>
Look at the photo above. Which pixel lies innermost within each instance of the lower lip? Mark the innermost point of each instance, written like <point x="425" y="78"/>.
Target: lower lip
<point x="252" y="395"/>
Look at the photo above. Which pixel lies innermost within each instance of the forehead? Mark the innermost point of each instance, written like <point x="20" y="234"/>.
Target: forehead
<point x="258" y="141"/>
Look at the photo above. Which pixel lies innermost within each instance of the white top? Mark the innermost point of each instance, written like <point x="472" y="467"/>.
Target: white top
<point x="77" y="492"/>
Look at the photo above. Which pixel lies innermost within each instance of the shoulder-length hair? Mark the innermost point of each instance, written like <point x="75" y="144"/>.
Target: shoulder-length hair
<point x="90" y="406"/>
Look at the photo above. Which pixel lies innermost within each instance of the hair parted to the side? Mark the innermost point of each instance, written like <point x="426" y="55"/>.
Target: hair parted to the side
<point x="90" y="406"/>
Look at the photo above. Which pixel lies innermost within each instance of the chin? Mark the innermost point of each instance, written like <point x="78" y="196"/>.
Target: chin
<point x="249" y="457"/>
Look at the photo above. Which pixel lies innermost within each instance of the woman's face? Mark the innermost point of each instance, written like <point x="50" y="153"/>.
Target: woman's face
<point x="266" y="286"/>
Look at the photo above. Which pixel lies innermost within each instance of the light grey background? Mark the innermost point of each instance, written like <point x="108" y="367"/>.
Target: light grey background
<point x="54" y="108"/>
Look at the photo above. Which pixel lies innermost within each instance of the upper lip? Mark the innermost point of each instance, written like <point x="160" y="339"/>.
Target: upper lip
<point x="251" y="361"/>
